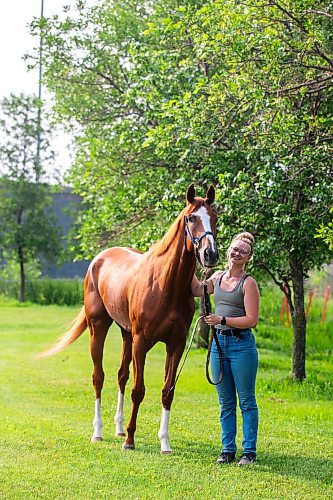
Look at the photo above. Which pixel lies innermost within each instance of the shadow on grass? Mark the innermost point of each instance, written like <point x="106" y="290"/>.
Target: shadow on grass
<point x="314" y="468"/>
<point x="309" y="468"/>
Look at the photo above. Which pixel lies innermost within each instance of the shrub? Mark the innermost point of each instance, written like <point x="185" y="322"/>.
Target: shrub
<point x="47" y="291"/>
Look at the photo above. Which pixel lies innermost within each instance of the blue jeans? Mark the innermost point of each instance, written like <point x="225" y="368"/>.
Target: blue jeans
<point x="240" y="365"/>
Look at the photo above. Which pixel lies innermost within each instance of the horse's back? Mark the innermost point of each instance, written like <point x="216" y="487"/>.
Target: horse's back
<point x="112" y="259"/>
<point x="108" y="278"/>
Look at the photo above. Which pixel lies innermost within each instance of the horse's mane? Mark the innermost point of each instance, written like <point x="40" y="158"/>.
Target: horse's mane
<point x="161" y="246"/>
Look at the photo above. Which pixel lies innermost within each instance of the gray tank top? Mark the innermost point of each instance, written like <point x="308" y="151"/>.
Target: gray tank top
<point x="229" y="303"/>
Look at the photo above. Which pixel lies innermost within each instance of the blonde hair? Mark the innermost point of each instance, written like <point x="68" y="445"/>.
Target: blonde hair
<point x="246" y="238"/>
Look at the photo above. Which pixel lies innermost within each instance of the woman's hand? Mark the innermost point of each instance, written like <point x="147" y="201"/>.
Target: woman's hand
<point x="212" y="319"/>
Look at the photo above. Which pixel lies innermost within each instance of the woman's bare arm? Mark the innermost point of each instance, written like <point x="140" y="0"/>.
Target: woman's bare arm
<point x="197" y="286"/>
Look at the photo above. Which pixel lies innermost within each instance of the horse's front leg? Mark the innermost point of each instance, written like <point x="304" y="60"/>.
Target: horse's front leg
<point x="174" y="354"/>
<point x="139" y="352"/>
<point x="123" y="375"/>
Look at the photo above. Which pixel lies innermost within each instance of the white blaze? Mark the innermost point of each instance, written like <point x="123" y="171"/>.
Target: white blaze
<point x="205" y="220"/>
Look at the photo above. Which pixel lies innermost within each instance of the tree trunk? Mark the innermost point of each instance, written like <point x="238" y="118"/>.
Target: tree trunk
<point x="203" y="334"/>
<point x="299" y="321"/>
<point x="22" y="275"/>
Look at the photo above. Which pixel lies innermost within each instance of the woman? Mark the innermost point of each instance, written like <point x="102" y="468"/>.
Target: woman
<point x="236" y="299"/>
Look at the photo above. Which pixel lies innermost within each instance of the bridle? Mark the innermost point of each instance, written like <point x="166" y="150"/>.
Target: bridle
<point x="195" y="241"/>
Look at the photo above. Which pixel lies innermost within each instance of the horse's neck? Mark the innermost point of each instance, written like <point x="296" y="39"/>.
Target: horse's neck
<point x="177" y="265"/>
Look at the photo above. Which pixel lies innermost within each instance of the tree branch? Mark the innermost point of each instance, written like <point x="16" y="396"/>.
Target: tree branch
<point x="290" y="15"/>
<point x="268" y="271"/>
<point x="320" y="13"/>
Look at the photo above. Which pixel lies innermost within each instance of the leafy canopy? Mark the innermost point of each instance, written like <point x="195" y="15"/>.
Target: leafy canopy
<point x="162" y="95"/>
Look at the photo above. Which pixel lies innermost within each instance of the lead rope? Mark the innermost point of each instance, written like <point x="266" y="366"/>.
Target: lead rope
<point x="213" y="336"/>
<point x="186" y="354"/>
<point x="207" y="311"/>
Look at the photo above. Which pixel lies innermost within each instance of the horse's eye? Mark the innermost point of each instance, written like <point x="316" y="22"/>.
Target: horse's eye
<point x="192" y="218"/>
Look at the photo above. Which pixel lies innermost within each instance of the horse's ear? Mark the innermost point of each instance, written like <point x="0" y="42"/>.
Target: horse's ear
<point x="190" y="195"/>
<point x="210" y="195"/>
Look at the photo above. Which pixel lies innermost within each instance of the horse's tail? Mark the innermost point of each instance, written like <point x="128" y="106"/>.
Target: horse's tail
<point x="77" y="327"/>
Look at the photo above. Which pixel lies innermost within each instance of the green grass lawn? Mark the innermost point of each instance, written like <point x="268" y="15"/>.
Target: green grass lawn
<point x="47" y="409"/>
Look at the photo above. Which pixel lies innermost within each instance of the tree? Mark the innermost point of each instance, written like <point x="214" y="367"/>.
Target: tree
<point x="28" y="229"/>
<point x="264" y="103"/>
<point x="235" y="92"/>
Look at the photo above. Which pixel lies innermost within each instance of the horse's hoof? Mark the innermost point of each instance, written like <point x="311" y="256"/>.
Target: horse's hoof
<point x="166" y="452"/>
<point x="120" y="434"/>
<point x="128" y="446"/>
<point x="96" y="439"/>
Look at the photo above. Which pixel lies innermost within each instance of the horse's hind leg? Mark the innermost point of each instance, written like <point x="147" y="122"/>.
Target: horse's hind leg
<point x="123" y="375"/>
<point x="98" y="325"/>
<point x="174" y="354"/>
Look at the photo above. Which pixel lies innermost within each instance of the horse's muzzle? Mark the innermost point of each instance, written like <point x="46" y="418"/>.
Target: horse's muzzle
<point x="211" y="257"/>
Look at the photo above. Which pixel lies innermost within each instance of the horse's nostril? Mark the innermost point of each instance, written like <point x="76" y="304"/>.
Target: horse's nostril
<point x="210" y="255"/>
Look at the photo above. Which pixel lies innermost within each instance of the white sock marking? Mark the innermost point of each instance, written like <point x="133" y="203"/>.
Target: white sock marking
<point x="163" y="433"/>
<point x="119" y="416"/>
<point x="97" y="423"/>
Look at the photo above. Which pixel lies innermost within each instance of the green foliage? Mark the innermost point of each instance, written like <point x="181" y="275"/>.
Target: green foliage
<point x="198" y="92"/>
<point x="48" y="405"/>
<point x="258" y="117"/>
<point x="46" y="291"/>
<point x="106" y="78"/>
<point x="10" y="269"/>
<point x="326" y="233"/>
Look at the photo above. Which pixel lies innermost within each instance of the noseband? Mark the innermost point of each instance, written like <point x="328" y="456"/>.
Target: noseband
<point x="195" y="241"/>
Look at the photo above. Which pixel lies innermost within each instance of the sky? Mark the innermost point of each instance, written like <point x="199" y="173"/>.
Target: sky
<point x="15" y="41"/>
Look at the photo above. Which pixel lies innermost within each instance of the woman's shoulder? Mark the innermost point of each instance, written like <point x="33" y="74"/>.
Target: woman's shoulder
<point x="217" y="275"/>
<point x="249" y="282"/>
<point x="248" y="278"/>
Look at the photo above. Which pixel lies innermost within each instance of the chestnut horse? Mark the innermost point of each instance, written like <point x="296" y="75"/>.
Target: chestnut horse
<point x="149" y="296"/>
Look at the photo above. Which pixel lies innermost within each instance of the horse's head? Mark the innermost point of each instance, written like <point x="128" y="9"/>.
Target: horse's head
<point x="200" y="226"/>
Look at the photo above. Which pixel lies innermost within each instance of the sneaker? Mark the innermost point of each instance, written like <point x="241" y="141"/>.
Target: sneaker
<point x="226" y="458"/>
<point x="247" y="459"/>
